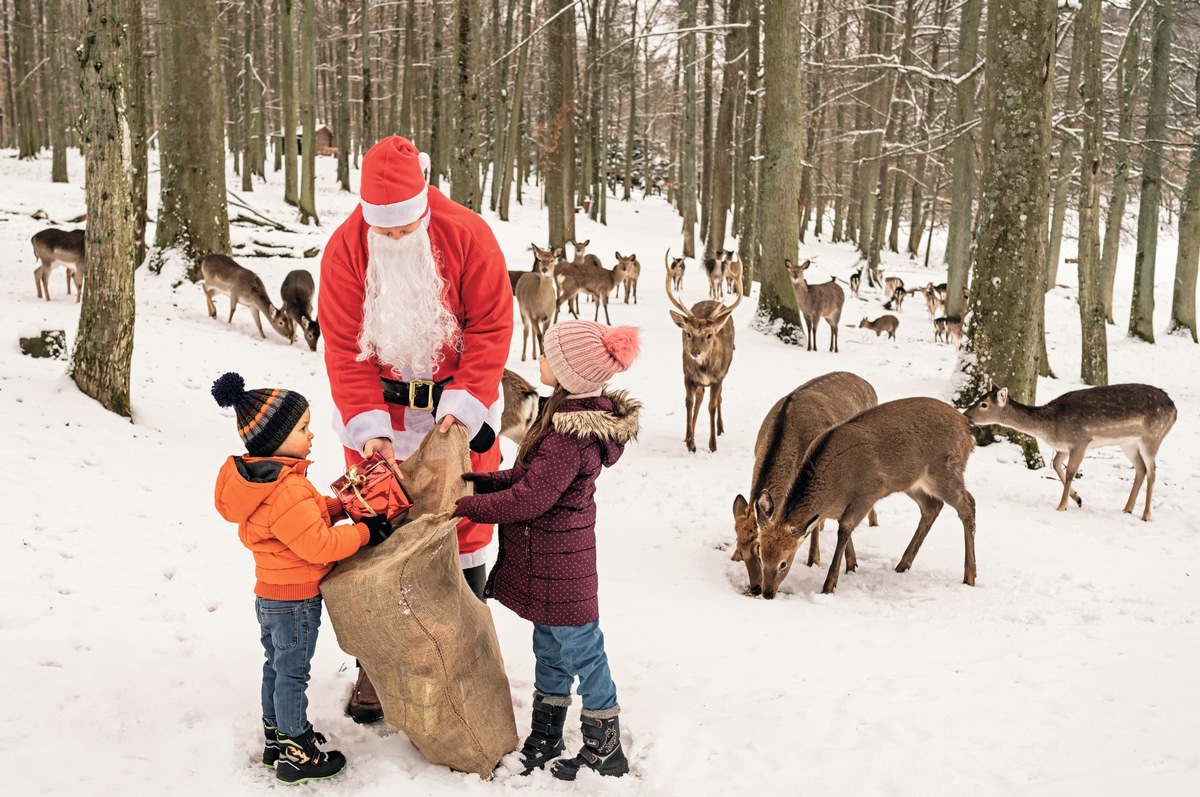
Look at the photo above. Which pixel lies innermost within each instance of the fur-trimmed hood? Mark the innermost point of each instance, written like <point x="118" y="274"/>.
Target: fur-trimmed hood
<point x="611" y="418"/>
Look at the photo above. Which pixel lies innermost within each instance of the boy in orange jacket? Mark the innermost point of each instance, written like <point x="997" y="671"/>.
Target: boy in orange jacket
<point x="288" y="524"/>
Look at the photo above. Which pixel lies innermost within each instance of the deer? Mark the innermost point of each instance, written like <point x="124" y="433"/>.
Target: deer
<point x="596" y="280"/>
<point x="297" y="292"/>
<point x="1133" y="416"/>
<point x="917" y="446"/>
<point x="53" y="246"/>
<point x="520" y="406"/>
<point x="707" y="353"/>
<point x="933" y="302"/>
<point x="816" y="302"/>
<point x="675" y="268"/>
<point x="785" y="435"/>
<point x="885" y="323"/>
<point x="733" y="271"/>
<point x="948" y="328"/>
<point x="890" y="284"/>
<point x="855" y="283"/>
<point x="897" y="300"/>
<point x="631" y="279"/>
<point x="581" y="258"/>
<point x="536" y="298"/>
<point x="551" y="256"/>
<point x="714" y="267"/>
<point x="222" y="274"/>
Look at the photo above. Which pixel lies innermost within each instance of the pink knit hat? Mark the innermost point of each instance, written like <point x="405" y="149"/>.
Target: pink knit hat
<point x="584" y="355"/>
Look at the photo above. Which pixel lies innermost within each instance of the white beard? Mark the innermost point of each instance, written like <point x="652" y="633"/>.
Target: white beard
<point x="405" y="321"/>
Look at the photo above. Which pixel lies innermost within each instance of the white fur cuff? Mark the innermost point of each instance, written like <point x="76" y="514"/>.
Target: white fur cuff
<point x="363" y="427"/>
<point x="468" y="409"/>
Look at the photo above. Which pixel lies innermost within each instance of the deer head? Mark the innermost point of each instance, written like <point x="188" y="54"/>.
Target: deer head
<point x="746" y="549"/>
<point x="778" y="541"/>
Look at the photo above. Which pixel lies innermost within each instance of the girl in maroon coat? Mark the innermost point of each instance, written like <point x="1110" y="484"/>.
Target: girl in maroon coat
<point x="546" y="569"/>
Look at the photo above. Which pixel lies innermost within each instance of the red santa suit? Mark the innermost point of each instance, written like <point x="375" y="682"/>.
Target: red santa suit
<point x="478" y="294"/>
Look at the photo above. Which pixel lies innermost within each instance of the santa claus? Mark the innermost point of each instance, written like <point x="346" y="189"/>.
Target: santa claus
<point x="416" y="313"/>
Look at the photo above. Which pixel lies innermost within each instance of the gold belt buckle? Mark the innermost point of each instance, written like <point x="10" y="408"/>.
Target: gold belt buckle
<point x="412" y="394"/>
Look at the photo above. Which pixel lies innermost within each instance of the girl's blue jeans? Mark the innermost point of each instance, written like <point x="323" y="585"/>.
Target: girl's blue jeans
<point x="564" y="652"/>
<point x="289" y="637"/>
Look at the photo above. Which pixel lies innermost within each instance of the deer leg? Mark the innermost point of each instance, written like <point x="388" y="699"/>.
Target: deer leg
<point x="1073" y="459"/>
<point x="851" y="557"/>
<point x="208" y="300"/>
<point x="714" y="413"/>
<point x="233" y="297"/>
<point x="931" y="507"/>
<point x="1133" y="454"/>
<point x="833" y="335"/>
<point x="1061" y="472"/>
<point x="1151" y="467"/>
<point x="691" y="406"/>
<point x="964" y="504"/>
<point x="872" y="517"/>
<point x="835" y="564"/>
<point x="814" y="544"/>
<point x="525" y="339"/>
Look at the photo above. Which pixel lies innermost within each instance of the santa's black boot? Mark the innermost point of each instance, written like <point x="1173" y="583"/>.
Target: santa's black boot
<point x="300" y="760"/>
<point x="601" y="749"/>
<point x="545" y="741"/>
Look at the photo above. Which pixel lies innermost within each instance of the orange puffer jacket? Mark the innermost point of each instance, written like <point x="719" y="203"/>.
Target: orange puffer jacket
<point x="286" y="523"/>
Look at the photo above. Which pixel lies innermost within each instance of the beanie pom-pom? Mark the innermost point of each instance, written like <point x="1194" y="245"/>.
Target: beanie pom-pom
<point x="622" y="344"/>
<point x="228" y="389"/>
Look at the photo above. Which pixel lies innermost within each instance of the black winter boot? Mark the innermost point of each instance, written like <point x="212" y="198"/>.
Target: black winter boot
<point x="545" y="740"/>
<point x="601" y="749"/>
<point x="271" y="748"/>
<point x="300" y="760"/>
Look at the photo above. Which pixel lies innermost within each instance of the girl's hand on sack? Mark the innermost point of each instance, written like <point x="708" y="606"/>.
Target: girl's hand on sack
<point x="482" y="481"/>
<point x="462" y="507"/>
<point x="383" y="447"/>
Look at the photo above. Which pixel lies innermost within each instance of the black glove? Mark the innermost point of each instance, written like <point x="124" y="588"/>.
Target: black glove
<point x="380" y="528"/>
<point x="482" y="481"/>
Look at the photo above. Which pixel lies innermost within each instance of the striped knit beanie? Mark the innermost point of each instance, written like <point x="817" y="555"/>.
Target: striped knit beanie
<point x="265" y="417"/>
<point x="584" y="355"/>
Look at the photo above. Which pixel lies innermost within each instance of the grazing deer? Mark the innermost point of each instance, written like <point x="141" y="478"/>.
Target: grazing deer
<point x="297" y="293"/>
<point x="714" y="267"/>
<point x="917" y="446"/>
<point x="675" y="268"/>
<point x="222" y="274"/>
<point x="1134" y="417"/>
<point x="897" y="300"/>
<point x="596" y="280"/>
<point x="536" y="294"/>
<point x="786" y="433"/>
<point x="890" y="284"/>
<point x="631" y="278"/>
<point x="947" y="329"/>
<point x="816" y="302"/>
<point x="707" y="353"/>
<point x="855" y="283"/>
<point x="733" y="271"/>
<point x="885" y="323"/>
<point x="520" y="406"/>
<point x="53" y="246"/>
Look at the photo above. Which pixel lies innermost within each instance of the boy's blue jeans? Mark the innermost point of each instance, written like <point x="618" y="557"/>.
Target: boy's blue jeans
<point x="564" y="652"/>
<point x="289" y="637"/>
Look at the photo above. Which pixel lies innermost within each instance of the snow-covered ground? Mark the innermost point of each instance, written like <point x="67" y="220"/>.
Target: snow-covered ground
<point x="128" y="641"/>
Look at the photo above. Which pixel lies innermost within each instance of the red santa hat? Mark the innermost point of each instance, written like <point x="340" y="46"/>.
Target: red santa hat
<point x="393" y="191"/>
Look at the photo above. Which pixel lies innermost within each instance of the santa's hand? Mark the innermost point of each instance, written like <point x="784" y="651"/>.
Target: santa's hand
<point x="383" y="447"/>
<point x="447" y="422"/>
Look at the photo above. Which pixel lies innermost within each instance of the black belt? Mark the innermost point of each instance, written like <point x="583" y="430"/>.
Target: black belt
<point x="420" y="394"/>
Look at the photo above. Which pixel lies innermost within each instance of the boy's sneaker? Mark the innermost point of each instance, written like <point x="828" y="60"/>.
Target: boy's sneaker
<point x="271" y="748"/>
<point x="300" y="760"/>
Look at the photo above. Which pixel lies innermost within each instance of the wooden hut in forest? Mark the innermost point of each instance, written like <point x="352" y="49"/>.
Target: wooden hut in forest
<point x="323" y="136"/>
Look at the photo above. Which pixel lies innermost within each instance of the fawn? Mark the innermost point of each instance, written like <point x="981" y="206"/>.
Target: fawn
<point x="53" y="246"/>
<point x="885" y="323"/>
<point x="222" y="274"/>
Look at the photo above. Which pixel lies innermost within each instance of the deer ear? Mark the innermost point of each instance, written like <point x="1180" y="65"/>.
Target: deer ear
<point x="678" y="319"/>
<point x="737" y="555"/>
<point x="805" y="265"/>
<point x="585" y="243"/>
<point x="740" y="505"/>
<point x="557" y="252"/>
<point x="618" y="255"/>
<point x="1002" y="396"/>
<point x="787" y="264"/>
<point x="802" y="530"/>
<point x="764" y="504"/>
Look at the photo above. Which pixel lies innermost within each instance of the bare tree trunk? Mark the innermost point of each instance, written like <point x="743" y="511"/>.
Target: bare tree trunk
<point x="687" y="161"/>
<point x="1127" y="81"/>
<point x="1141" y="315"/>
<point x="815" y="82"/>
<point x="1007" y="298"/>
<point x="249" y="106"/>
<point x="921" y="211"/>
<point x="193" y="213"/>
<point x="368" y="89"/>
<point x="464" y="177"/>
<point x="341" y="109"/>
<point x="136" y="82"/>
<point x="1094" y="350"/>
<point x="308" y="114"/>
<point x="8" y="138"/>
<point x="750" y="229"/>
<point x="559" y="147"/>
<point x="960" y="230"/>
<point x="783" y="151"/>
<point x="103" y="351"/>
<point x="706" y="126"/>
<point x="1066" y="161"/>
<point x="436" y="143"/>
<point x="518" y="100"/>
<point x="29" y="135"/>
<point x="500" y="100"/>
<point x="287" y="48"/>
<point x="723" y="149"/>
<point x="1183" y="298"/>
<point x="630" y="132"/>
<point x="56" y="113"/>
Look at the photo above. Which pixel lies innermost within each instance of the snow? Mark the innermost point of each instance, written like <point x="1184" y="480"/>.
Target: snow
<point x="129" y="645"/>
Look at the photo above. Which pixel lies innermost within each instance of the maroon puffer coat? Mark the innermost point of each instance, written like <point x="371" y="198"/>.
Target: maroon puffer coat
<point x="546" y="569"/>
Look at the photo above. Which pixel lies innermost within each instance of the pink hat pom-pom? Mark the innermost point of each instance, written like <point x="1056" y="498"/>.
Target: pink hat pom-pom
<point x="622" y="344"/>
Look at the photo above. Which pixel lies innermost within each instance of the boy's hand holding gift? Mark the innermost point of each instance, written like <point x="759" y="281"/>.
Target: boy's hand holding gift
<point x="371" y="489"/>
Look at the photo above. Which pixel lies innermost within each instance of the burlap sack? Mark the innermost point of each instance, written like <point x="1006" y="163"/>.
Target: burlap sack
<point x="405" y="611"/>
